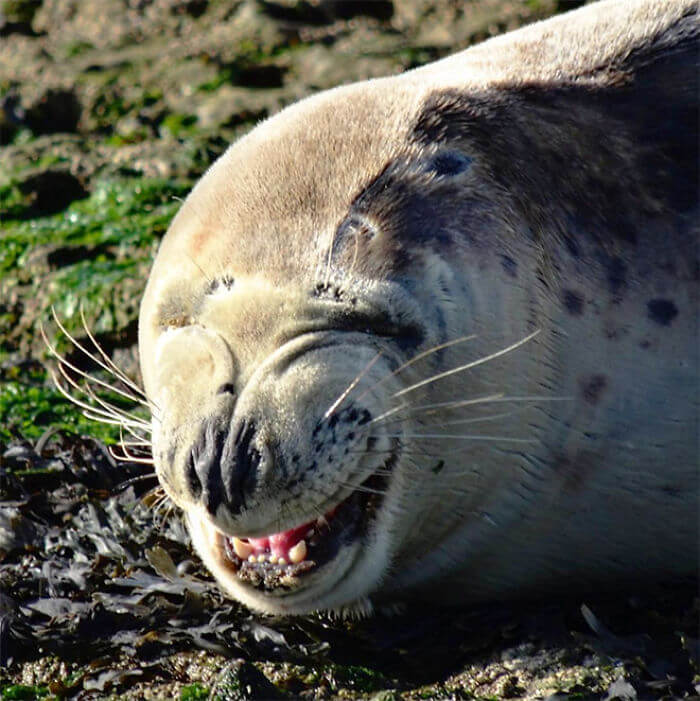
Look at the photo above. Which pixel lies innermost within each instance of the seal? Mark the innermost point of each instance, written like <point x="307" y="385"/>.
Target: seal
<point x="436" y="334"/>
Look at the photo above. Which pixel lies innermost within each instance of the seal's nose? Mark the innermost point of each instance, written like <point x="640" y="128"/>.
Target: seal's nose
<point x="222" y="466"/>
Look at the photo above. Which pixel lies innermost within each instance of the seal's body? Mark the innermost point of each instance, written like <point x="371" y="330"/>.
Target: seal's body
<point x="439" y="332"/>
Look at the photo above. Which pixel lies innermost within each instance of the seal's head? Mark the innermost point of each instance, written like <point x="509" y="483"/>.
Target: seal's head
<point x="273" y="333"/>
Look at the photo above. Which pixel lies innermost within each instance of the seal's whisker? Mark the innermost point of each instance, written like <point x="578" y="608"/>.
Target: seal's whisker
<point x="473" y="420"/>
<point x="134" y="433"/>
<point x="134" y="480"/>
<point x="170" y="512"/>
<point x="131" y="418"/>
<point x="138" y="444"/>
<point x="331" y="409"/>
<point x="420" y="356"/>
<point x="135" y="458"/>
<point x="466" y="366"/>
<point x="113" y="367"/>
<point x="404" y="451"/>
<point x="362" y="488"/>
<point x="157" y="493"/>
<point x="442" y="405"/>
<point x="123" y="457"/>
<point x="89" y="411"/>
<point x="104" y="418"/>
<point x="462" y="437"/>
<point x="108" y="410"/>
<point x="200" y="268"/>
<point x="459" y="403"/>
<point x="329" y="258"/>
<point x="95" y="359"/>
<point x="87" y="390"/>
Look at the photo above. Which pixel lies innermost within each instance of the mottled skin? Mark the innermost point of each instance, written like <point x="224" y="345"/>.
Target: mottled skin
<point x="543" y="181"/>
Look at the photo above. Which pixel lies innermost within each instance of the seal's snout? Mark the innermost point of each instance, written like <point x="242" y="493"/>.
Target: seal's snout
<point x="222" y="466"/>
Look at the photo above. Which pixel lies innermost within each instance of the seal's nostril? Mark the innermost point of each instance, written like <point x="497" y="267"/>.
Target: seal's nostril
<point x="192" y="478"/>
<point x="227" y="388"/>
<point x="222" y="467"/>
<point x="204" y="467"/>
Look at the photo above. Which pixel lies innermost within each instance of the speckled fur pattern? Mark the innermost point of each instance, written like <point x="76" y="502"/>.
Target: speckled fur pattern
<point x="478" y="280"/>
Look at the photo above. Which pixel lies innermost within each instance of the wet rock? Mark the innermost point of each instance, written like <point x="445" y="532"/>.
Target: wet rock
<point x="242" y="681"/>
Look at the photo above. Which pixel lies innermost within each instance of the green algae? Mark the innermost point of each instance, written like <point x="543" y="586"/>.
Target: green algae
<point x="193" y="692"/>
<point x="93" y="258"/>
<point x="29" y="409"/>
<point x="22" y="691"/>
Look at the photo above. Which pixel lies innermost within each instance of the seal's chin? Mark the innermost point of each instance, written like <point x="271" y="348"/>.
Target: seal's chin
<point x="300" y="569"/>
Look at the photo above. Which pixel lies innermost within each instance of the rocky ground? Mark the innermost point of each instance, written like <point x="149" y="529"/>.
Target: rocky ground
<point x="109" y="111"/>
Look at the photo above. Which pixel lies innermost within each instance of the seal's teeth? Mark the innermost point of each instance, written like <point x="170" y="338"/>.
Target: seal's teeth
<point x="261" y="558"/>
<point x="281" y="561"/>
<point x="242" y="549"/>
<point x="273" y="559"/>
<point x="298" y="552"/>
<point x="252" y="558"/>
<point x="321" y="522"/>
<point x="310" y="533"/>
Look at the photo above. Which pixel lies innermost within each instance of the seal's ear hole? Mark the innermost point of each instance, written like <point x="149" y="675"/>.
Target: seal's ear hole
<point x="448" y="163"/>
<point x="226" y="388"/>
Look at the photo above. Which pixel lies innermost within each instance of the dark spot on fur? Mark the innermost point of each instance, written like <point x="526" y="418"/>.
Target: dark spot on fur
<point x="437" y="468"/>
<point x="572" y="246"/>
<point x="617" y="275"/>
<point x="574" y="471"/>
<point x="662" y="311"/>
<point x="672" y="490"/>
<point x="593" y="387"/>
<point x="509" y="265"/>
<point x="573" y="302"/>
<point x="366" y="416"/>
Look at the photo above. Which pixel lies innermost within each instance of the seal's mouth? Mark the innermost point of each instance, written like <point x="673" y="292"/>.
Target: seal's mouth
<point x="280" y="561"/>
